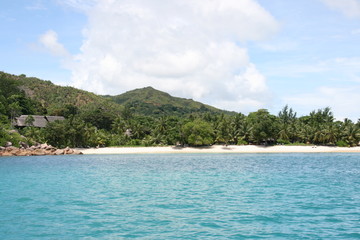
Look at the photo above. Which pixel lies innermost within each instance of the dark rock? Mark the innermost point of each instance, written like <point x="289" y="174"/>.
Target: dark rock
<point x="24" y="145"/>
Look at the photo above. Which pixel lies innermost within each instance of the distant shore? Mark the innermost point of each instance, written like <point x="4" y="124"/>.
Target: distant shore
<point x="219" y="149"/>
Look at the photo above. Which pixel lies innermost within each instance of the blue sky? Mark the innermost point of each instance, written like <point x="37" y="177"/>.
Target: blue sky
<point x="236" y="55"/>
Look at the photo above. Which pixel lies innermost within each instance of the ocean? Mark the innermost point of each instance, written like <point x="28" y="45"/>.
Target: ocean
<point x="181" y="196"/>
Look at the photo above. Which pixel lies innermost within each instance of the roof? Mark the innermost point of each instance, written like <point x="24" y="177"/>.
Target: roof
<point x="39" y="121"/>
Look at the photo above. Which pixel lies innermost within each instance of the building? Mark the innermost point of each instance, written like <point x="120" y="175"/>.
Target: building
<point x="35" y="120"/>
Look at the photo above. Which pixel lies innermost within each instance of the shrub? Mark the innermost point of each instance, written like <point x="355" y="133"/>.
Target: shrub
<point x="342" y="143"/>
<point x="283" y="142"/>
<point x="242" y="142"/>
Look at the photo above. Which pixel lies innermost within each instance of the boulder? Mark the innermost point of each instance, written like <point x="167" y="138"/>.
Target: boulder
<point x="39" y="152"/>
<point x="36" y="151"/>
<point x="12" y="150"/>
<point x="59" y="152"/>
<point x="68" y="151"/>
<point x="77" y="152"/>
<point x="24" y="153"/>
<point x="6" y="154"/>
<point x="23" y="144"/>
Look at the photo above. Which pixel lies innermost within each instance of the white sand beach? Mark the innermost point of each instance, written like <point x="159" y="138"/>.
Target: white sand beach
<point x="219" y="149"/>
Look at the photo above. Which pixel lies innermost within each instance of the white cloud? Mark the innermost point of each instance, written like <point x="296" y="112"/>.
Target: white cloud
<point x="80" y="5"/>
<point x="37" y="5"/>
<point x="350" y="8"/>
<point x="279" y="46"/>
<point x="343" y="101"/>
<point x="49" y="40"/>
<point x="193" y="49"/>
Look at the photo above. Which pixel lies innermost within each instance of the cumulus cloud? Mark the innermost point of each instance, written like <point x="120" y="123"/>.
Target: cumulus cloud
<point x="342" y="102"/>
<point x="350" y="8"/>
<point x="49" y="40"/>
<point x="194" y="49"/>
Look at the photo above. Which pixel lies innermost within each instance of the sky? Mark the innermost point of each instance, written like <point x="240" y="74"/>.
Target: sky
<point x="238" y="55"/>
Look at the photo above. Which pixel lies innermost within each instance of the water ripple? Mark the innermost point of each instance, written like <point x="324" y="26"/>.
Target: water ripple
<point x="200" y="196"/>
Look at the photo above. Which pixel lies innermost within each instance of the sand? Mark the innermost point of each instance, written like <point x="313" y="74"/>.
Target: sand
<point x="219" y="149"/>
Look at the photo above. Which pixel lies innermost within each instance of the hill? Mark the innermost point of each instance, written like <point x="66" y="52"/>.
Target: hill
<point x="59" y="100"/>
<point x="149" y="101"/>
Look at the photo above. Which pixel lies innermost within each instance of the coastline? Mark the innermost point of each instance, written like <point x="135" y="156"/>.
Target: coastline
<point x="220" y="149"/>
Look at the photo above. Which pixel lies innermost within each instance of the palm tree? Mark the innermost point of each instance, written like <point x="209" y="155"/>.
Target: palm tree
<point x="352" y="135"/>
<point x="287" y="119"/>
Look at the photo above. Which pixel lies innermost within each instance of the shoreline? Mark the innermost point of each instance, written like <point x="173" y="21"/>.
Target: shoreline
<point x="220" y="149"/>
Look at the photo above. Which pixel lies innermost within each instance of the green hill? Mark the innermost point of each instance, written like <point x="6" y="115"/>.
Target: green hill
<point x="59" y="100"/>
<point x="149" y="101"/>
<point x="56" y="99"/>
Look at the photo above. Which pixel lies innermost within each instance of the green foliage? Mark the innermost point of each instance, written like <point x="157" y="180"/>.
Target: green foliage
<point x="283" y="142"/>
<point x="33" y="134"/>
<point x="148" y="117"/>
<point x="149" y="101"/>
<point x="342" y="143"/>
<point x="198" y="133"/>
<point x="3" y="136"/>
<point x="74" y="132"/>
<point x="264" y="126"/>
<point x="242" y="142"/>
<point x="12" y="136"/>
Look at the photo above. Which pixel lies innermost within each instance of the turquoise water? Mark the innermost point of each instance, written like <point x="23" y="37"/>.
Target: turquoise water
<point x="181" y="196"/>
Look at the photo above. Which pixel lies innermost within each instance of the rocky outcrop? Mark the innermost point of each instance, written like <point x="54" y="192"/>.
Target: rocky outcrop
<point x="36" y="150"/>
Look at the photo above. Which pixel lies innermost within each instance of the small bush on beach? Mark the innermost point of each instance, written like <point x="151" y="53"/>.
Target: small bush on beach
<point x="242" y="142"/>
<point x="342" y="144"/>
<point x="283" y="142"/>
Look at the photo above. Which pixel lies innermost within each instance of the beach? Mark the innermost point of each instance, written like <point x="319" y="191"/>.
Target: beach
<point x="219" y="149"/>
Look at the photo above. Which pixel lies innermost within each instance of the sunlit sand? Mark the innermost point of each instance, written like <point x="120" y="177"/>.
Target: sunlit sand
<point x="219" y="149"/>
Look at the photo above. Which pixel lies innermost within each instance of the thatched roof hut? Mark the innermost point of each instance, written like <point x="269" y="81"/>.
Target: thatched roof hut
<point x="38" y="121"/>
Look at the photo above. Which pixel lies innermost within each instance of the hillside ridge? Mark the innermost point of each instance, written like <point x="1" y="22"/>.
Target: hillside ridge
<point x="143" y="101"/>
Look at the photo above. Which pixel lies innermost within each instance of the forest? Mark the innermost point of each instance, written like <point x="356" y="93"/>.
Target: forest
<point x="98" y="121"/>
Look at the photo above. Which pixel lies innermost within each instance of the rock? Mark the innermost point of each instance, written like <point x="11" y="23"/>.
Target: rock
<point x="24" y="153"/>
<point x="59" y="152"/>
<point x="50" y="148"/>
<point x="6" y="154"/>
<point x="77" y="152"/>
<point x="39" y="152"/>
<point x="36" y="146"/>
<point x="43" y="146"/>
<point x="12" y="150"/>
<point x="69" y="151"/>
<point x="24" y="145"/>
<point x="8" y="144"/>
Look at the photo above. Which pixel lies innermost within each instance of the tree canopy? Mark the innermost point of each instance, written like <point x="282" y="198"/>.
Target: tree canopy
<point x="93" y="120"/>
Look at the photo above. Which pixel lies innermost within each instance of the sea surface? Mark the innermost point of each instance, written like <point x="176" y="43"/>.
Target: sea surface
<point x="181" y="196"/>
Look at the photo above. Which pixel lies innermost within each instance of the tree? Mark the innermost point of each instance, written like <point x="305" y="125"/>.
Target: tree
<point x="15" y="111"/>
<point x="287" y="120"/>
<point x="264" y="126"/>
<point x="29" y="121"/>
<point x="223" y="131"/>
<point x="198" y="133"/>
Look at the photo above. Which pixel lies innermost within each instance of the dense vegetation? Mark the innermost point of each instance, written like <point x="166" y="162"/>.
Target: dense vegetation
<point x="149" y="117"/>
<point x="149" y="101"/>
